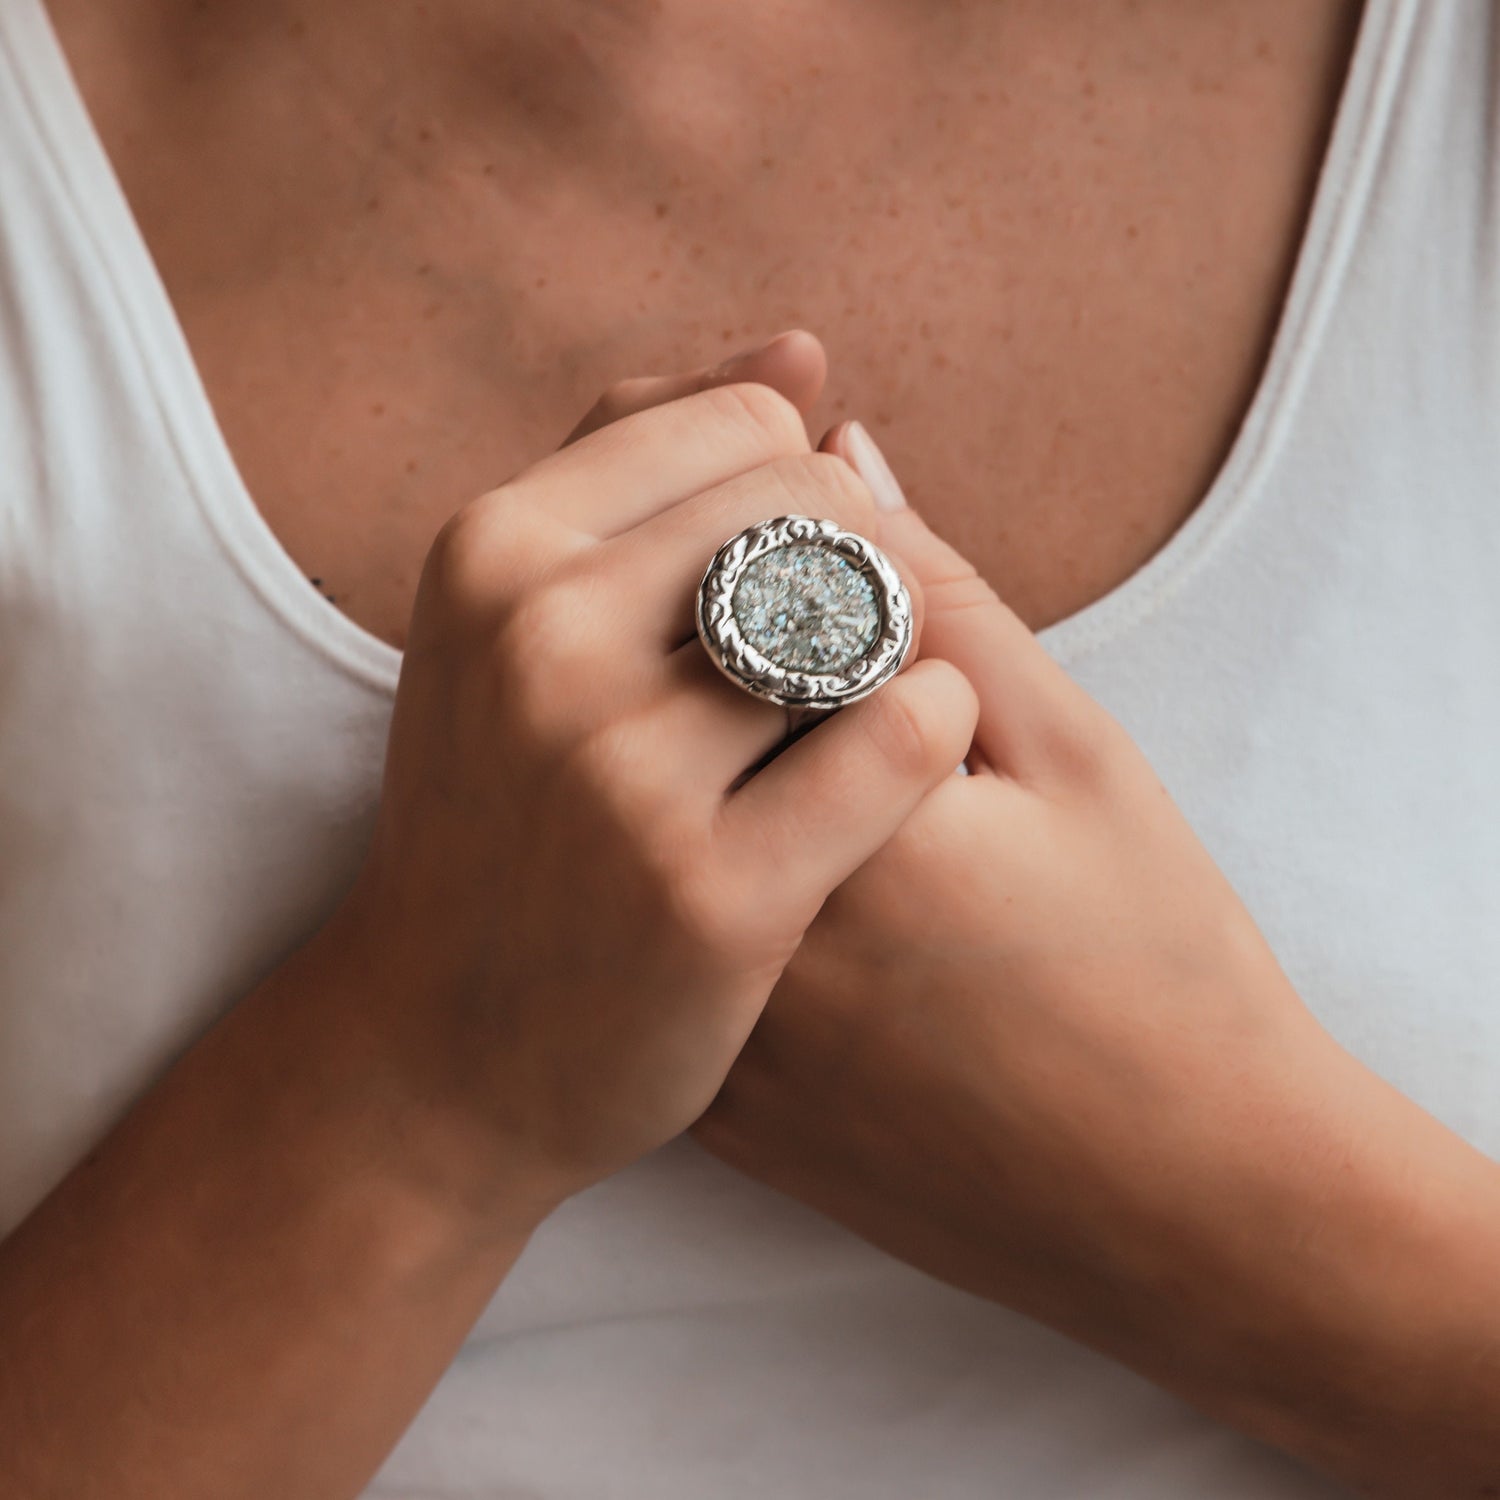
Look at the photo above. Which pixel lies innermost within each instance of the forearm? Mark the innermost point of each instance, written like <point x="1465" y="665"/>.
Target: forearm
<point x="1318" y="1266"/>
<point x="1350" y="1312"/>
<point x="251" y="1286"/>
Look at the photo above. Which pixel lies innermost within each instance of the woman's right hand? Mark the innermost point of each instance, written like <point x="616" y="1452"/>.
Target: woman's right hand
<point x="572" y="912"/>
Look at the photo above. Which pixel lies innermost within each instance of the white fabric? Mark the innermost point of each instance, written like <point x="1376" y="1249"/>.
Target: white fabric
<point x="191" y="738"/>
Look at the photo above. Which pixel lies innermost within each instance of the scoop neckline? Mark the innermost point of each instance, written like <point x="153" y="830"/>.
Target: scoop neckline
<point x="124" y="261"/>
<point x="224" y="497"/>
<point x="1340" y="193"/>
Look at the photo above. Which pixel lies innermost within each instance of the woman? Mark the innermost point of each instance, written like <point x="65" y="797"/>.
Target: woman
<point x="546" y="1089"/>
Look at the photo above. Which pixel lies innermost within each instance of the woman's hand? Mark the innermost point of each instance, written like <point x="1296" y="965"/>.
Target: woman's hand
<point x="568" y="921"/>
<point x="1040" y="1002"/>
<point x="1037" y="1047"/>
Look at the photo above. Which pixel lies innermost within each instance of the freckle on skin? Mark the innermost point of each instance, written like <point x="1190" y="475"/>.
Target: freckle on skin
<point x="662" y="210"/>
<point x="378" y="410"/>
<point x="653" y="276"/>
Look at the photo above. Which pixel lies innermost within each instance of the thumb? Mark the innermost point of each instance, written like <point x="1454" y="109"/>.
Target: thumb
<point x="793" y="363"/>
<point x="1022" y="691"/>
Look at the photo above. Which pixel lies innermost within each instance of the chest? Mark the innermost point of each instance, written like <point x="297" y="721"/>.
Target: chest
<point x="1047" y="285"/>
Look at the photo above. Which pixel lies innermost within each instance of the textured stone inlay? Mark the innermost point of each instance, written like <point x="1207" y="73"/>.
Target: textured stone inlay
<point x="807" y="609"/>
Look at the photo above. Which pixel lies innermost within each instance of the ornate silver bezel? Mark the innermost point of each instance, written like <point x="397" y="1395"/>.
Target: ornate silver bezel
<point x="748" y="668"/>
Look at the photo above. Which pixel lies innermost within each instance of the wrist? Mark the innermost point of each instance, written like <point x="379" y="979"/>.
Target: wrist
<point x="373" y="1064"/>
<point x="1339" y="1300"/>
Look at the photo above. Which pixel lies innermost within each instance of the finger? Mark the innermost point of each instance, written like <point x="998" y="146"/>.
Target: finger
<point x="823" y="806"/>
<point x="793" y="363"/>
<point x="1023" y="693"/>
<point x="638" y="463"/>
<point x="723" y="729"/>
<point x="629" y="471"/>
<point x="619" y="476"/>
<point x="654" y="571"/>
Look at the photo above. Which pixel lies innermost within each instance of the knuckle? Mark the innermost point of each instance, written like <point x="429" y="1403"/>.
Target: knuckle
<point x="699" y="911"/>
<point x="697" y="902"/>
<point x="619" y="756"/>
<point x="481" y="555"/>
<point x="548" y="626"/>
<point x="1080" y="745"/>
<point x="455" y="560"/>
<point x="543" y="659"/>
<point x="704" y="899"/>
<point x="774" y="422"/>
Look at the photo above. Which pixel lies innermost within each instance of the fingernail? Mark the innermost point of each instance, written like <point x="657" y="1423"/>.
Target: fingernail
<point x="869" y="463"/>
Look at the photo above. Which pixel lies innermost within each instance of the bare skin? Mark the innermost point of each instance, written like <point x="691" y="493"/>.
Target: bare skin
<point x="416" y="1090"/>
<point x="1045" y="246"/>
<point x="252" y="1283"/>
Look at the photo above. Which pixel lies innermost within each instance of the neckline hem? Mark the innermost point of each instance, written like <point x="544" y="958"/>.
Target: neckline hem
<point x="258" y="555"/>
<point x="1339" y="195"/>
<point x="191" y="424"/>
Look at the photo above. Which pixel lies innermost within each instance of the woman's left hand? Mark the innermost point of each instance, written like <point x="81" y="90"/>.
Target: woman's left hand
<point x="1036" y="1026"/>
<point x="1038" y="1047"/>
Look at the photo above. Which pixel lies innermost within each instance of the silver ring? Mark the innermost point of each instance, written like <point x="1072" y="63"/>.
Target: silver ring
<point x="804" y="614"/>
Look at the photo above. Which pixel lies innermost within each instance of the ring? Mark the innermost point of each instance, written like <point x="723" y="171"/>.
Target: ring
<point x="804" y="614"/>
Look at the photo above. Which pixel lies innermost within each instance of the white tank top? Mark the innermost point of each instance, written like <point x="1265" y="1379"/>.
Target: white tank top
<point x="191" y="740"/>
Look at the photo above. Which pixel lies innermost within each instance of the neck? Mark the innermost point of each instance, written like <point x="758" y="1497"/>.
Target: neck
<point x="600" y="82"/>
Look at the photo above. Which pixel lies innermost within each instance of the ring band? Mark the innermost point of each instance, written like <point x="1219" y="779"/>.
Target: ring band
<point x="804" y="614"/>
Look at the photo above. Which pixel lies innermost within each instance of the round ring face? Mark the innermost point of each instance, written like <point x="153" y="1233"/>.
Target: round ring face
<point x="804" y="614"/>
